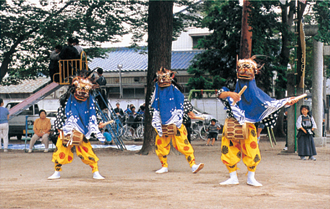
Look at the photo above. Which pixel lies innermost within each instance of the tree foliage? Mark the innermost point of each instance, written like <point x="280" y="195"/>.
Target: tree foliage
<point x="223" y="18"/>
<point x="272" y="37"/>
<point x="30" y="31"/>
<point x="322" y="14"/>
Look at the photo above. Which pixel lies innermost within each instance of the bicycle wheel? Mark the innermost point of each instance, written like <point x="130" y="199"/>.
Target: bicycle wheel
<point x="118" y="130"/>
<point x="128" y="134"/>
<point x="203" y="133"/>
<point x="140" y="132"/>
<point x="194" y="135"/>
<point x="194" y="132"/>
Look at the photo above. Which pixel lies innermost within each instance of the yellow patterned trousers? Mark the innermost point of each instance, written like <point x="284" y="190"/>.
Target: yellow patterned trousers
<point x="64" y="155"/>
<point x="248" y="149"/>
<point x="179" y="141"/>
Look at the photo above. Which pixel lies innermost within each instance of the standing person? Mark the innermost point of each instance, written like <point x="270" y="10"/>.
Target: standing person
<point x="4" y="117"/>
<point x="67" y="53"/>
<point x="119" y="112"/>
<point x="53" y="65"/>
<point x="213" y="130"/>
<point x="77" y="46"/>
<point x="101" y="81"/>
<point x="41" y="128"/>
<point x="81" y="122"/>
<point x="243" y="111"/>
<point x="306" y="125"/>
<point x="167" y="102"/>
<point x="188" y="114"/>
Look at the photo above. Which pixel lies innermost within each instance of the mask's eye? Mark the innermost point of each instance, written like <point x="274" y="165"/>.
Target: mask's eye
<point x="246" y="66"/>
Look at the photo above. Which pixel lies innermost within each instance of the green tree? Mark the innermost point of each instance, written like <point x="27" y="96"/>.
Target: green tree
<point x="221" y="47"/>
<point x="29" y="32"/>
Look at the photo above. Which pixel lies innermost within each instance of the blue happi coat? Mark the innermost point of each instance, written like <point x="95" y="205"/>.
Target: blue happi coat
<point x="81" y="116"/>
<point x="168" y="107"/>
<point x="255" y="105"/>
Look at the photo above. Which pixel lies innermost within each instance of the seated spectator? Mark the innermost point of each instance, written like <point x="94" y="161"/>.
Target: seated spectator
<point x="141" y="109"/>
<point x="41" y="130"/>
<point x="128" y="110"/>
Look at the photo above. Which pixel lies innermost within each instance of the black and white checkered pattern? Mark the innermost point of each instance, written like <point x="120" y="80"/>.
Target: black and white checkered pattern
<point x="187" y="107"/>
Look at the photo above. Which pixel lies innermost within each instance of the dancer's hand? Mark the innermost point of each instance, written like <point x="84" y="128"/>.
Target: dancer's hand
<point x="235" y="96"/>
<point x="101" y="125"/>
<point x="292" y="101"/>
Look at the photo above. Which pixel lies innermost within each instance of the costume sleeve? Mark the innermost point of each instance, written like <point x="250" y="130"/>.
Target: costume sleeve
<point x="313" y="122"/>
<point x="224" y="89"/>
<point x="187" y="106"/>
<point x="225" y="102"/>
<point x="298" y="123"/>
<point x="60" y="118"/>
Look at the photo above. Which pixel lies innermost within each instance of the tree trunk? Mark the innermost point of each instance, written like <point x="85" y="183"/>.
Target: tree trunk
<point x="160" y="28"/>
<point x="287" y="19"/>
<point x="246" y="36"/>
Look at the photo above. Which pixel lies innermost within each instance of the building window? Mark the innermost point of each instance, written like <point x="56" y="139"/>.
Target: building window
<point x="133" y="92"/>
<point x="195" y="40"/>
<point x="113" y="92"/>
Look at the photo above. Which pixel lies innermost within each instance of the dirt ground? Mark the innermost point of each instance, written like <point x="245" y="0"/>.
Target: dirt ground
<point x="131" y="181"/>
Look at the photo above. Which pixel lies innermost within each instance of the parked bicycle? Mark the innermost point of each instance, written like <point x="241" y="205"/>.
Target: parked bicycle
<point x="133" y="127"/>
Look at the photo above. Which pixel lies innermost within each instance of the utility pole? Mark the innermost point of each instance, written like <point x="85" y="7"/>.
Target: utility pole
<point x="120" y="66"/>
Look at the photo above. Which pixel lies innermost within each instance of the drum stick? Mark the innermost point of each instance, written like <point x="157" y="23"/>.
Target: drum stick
<point x="297" y="98"/>
<point x="301" y="96"/>
<point x="109" y="122"/>
<point x="240" y="93"/>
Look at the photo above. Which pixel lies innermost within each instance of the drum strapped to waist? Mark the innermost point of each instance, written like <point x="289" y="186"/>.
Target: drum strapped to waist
<point x="235" y="131"/>
<point x="75" y="138"/>
<point x="169" y="130"/>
